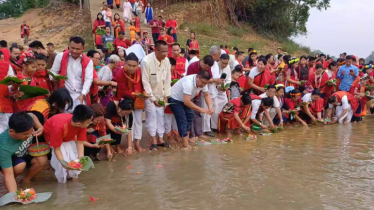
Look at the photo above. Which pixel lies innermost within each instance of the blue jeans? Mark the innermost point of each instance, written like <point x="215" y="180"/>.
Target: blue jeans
<point x="183" y="115"/>
<point x="175" y="37"/>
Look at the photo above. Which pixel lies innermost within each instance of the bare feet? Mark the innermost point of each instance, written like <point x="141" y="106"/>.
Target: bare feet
<point x="119" y="150"/>
<point x="203" y="137"/>
<point x="26" y="181"/>
<point x="74" y="179"/>
<point x="139" y="148"/>
<point x="237" y="131"/>
<point x="188" y="147"/>
<point x="192" y="140"/>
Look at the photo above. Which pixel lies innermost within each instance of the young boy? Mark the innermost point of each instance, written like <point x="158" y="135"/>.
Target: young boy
<point x="13" y="149"/>
<point x="171" y="128"/>
<point x="61" y="131"/>
<point x="41" y="75"/>
<point x="234" y="89"/>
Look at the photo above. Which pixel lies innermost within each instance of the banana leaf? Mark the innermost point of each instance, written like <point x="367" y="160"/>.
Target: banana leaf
<point x="8" y="80"/>
<point x="304" y="103"/>
<point x="174" y="81"/>
<point x="225" y="87"/>
<point x="302" y="82"/>
<point x="126" y="131"/>
<point x="275" y="130"/>
<point x="100" y="32"/>
<point x="217" y="141"/>
<point x="85" y="161"/>
<point x="57" y="77"/>
<point x="280" y="128"/>
<point x="105" y="140"/>
<point x="293" y="112"/>
<point x="266" y="86"/>
<point x="32" y="91"/>
<point x="109" y="46"/>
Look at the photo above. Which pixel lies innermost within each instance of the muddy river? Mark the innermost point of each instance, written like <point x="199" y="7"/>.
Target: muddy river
<point x="324" y="167"/>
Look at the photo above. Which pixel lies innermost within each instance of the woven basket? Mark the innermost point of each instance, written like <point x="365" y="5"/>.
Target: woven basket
<point x="36" y="150"/>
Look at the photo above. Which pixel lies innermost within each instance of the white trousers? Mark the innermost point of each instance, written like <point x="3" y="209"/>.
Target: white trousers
<point x="76" y="102"/>
<point x="70" y="153"/>
<point x="4" y="121"/>
<point x="170" y="123"/>
<point x="137" y="124"/>
<point x="339" y="110"/>
<point x="206" y="118"/>
<point x="221" y="102"/>
<point x="154" y="119"/>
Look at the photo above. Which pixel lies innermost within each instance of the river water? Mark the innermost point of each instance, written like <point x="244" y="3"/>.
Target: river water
<point x="323" y="167"/>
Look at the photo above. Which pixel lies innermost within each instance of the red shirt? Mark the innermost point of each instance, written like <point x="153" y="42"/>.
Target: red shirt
<point x="155" y="30"/>
<point x="6" y="53"/>
<point x="194" y="68"/>
<point x="227" y="51"/>
<point x="58" y="129"/>
<point x="132" y="1"/>
<point x="171" y="23"/>
<point x="119" y="42"/>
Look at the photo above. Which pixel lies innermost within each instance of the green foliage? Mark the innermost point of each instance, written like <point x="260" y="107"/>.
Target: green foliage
<point x="203" y="28"/>
<point x="281" y="17"/>
<point x="15" y="8"/>
<point x="236" y="31"/>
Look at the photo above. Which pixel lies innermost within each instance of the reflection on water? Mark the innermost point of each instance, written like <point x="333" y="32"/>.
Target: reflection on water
<point x="324" y="167"/>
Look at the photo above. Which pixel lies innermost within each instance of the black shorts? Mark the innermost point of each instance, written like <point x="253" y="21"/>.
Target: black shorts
<point x="17" y="160"/>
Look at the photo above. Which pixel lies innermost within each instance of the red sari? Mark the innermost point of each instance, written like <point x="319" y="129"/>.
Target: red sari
<point x="22" y="105"/>
<point x="319" y="82"/>
<point x="117" y="29"/>
<point x="262" y="79"/>
<point x="316" y="106"/>
<point x="361" y="89"/>
<point x="294" y="76"/>
<point x="227" y="120"/>
<point x="136" y="21"/>
<point x="97" y="36"/>
<point x="194" y="45"/>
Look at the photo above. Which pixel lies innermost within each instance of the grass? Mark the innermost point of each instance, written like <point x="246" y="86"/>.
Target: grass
<point x="239" y="32"/>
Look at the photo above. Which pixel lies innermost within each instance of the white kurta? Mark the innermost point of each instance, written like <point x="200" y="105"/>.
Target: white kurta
<point x="69" y="153"/>
<point x="127" y="10"/>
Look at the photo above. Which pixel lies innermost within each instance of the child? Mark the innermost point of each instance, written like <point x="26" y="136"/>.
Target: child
<point x="312" y="111"/>
<point x="162" y="35"/>
<point x="132" y="31"/>
<point x="29" y="69"/>
<point x="119" y="114"/>
<point x="41" y="75"/>
<point x="66" y="134"/>
<point x="234" y="89"/>
<point x="13" y="147"/>
<point x="171" y="128"/>
<point x="95" y="130"/>
<point x="136" y="22"/>
<point x="291" y="103"/>
<point x="235" y="115"/>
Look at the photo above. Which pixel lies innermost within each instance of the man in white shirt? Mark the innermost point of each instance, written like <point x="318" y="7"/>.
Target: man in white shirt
<point x="156" y="78"/>
<point x="72" y="64"/>
<point x="182" y="94"/>
<point x="275" y="109"/>
<point x="221" y="98"/>
<point x="193" y="57"/>
<point x="215" y="52"/>
<point x="259" y="106"/>
<point x="343" y="108"/>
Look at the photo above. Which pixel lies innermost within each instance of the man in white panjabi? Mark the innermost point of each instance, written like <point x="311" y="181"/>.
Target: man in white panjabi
<point x="72" y="64"/>
<point x="215" y="52"/>
<point x="221" y="97"/>
<point x="156" y="78"/>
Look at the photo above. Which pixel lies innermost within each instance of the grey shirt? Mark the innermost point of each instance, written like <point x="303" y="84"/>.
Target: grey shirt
<point x="107" y="38"/>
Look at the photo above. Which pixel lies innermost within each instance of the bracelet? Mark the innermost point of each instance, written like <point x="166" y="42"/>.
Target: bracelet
<point x="129" y="147"/>
<point x="260" y="124"/>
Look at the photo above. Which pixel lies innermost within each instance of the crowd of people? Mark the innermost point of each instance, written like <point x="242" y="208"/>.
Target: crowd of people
<point x="185" y="98"/>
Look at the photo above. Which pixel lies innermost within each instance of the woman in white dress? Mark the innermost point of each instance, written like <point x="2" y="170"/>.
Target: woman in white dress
<point x="127" y="10"/>
<point x="106" y="74"/>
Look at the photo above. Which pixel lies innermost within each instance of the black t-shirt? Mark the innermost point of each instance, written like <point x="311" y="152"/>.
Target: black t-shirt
<point x="111" y="114"/>
<point x="304" y="71"/>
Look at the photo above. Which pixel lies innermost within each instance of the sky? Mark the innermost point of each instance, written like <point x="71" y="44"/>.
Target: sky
<point x="346" y="26"/>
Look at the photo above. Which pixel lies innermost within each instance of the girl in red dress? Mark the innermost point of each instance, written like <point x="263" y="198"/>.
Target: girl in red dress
<point x="291" y="103"/>
<point x="292" y="77"/>
<point x="318" y="79"/>
<point x="41" y="75"/>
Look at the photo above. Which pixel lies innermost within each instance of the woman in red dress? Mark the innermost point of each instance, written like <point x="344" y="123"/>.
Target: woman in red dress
<point x="236" y="118"/>
<point x="193" y="44"/>
<point x="170" y="41"/>
<point x="291" y="103"/>
<point x="27" y="75"/>
<point x="331" y="72"/>
<point x="318" y="79"/>
<point x="118" y="25"/>
<point x="98" y="24"/>
<point x="292" y="77"/>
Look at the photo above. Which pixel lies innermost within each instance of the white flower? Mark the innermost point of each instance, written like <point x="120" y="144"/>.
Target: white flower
<point x="77" y="160"/>
<point x="25" y="59"/>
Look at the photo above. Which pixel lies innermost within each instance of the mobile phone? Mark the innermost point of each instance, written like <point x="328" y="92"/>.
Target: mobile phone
<point x="351" y="70"/>
<point x="223" y="76"/>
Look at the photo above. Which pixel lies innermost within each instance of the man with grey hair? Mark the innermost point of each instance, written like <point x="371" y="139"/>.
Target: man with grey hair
<point x="215" y="52"/>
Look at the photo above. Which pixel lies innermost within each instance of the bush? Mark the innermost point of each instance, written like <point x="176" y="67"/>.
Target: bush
<point x="15" y="8"/>
<point x="204" y="28"/>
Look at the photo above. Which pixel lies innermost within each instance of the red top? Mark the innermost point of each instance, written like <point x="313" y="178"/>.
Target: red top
<point x="155" y="30"/>
<point x="58" y="129"/>
<point x="42" y="80"/>
<point x="123" y="43"/>
<point x="227" y="51"/>
<point x="132" y="1"/>
<point x="5" y="104"/>
<point x="6" y="53"/>
<point x="194" y="68"/>
<point x="180" y="67"/>
<point x="171" y="23"/>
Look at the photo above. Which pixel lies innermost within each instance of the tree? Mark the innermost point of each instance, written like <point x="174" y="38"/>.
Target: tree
<point x="370" y="57"/>
<point x="285" y="18"/>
